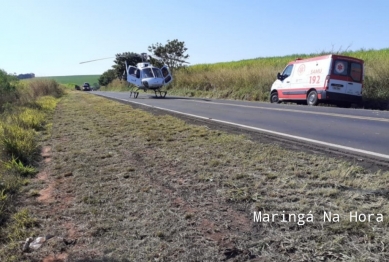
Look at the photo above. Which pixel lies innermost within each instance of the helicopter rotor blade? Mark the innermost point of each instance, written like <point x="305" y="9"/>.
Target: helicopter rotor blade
<point x="171" y="58"/>
<point x="156" y="57"/>
<point x="95" y="60"/>
<point x="178" y="60"/>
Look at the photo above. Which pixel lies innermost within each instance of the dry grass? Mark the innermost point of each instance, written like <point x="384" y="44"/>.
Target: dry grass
<point x="116" y="85"/>
<point x="252" y="79"/>
<point x="20" y="130"/>
<point x="130" y="186"/>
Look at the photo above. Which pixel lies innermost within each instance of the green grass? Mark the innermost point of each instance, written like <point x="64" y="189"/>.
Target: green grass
<point x="24" y="111"/>
<point x="27" y="91"/>
<point x="19" y="142"/>
<point x="20" y="131"/>
<point x="75" y="79"/>
<point x="18" y="168"/>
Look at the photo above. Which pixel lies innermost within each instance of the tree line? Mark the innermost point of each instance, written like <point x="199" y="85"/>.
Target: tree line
<point x="171" y="54"/>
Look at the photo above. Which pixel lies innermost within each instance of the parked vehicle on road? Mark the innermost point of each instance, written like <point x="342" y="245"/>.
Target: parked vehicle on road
<point x="333" y="79"/>
<point x="86" y="87"/>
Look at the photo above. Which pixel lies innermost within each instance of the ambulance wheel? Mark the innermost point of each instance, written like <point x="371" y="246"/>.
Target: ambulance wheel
<point x="312" y="99"/>
<point x="274" y="98"/>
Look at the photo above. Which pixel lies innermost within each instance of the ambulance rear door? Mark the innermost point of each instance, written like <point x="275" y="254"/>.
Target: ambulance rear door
<point x="346" y="77"/>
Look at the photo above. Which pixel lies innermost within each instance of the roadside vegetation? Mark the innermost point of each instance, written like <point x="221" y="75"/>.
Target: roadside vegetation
<point x="126" y="185"/>
<point x="103" y="181"/>
<point x="251" y="79"/>
<point x="116" y="85"/>
<point x="71" y="81"/>
<point x="25" y="108"/>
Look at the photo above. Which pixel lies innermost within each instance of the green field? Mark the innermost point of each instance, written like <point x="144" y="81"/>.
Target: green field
<point x="76" y="79"/>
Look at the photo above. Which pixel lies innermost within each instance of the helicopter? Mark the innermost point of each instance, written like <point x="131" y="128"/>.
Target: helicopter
<point x="145" y="76"/>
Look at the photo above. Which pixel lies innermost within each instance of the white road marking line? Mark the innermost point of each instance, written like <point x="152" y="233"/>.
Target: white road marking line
<point x="297" y="111"/>
<point x="267" y="131"/>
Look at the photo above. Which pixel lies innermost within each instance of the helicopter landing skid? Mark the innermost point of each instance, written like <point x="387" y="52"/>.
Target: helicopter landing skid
<point x="162" y="94"/>
<point x="136" y="94"/>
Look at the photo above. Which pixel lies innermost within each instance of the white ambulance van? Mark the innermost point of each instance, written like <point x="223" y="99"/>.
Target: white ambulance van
<point x="332" y="79"/>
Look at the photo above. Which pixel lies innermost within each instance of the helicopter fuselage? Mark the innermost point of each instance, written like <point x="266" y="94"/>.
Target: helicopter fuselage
<point x="146" y="76"/>
<point x="152" y="83"/>
<point x="151" y="77"/>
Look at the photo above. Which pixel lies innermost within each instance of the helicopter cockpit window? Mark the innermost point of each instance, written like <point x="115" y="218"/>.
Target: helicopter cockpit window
<point x="168" y="79"/>
<point x="157" y="72"/>
<point x="131" y="70"/>
<point x="137" y="74"/>
<point x="147" y="73"/>
<point x="165" y="71"/>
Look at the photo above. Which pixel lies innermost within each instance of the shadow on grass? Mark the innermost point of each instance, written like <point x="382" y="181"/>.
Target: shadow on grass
<point x="376" y="104"/>
<point x="104" y="259"/>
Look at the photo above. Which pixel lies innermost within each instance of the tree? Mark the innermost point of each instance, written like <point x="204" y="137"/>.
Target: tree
<point x="7" y="82"/>
<point x="107" y="77"/>
<point x="173" y="53"/>
<point x="120" y="67"/>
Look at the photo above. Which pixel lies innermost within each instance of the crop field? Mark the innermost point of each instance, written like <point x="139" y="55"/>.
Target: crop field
<point x="121" y="184"/>
<point x="76" y="79"/>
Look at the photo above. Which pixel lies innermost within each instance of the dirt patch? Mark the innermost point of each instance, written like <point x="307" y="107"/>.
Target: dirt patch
<point x="46" y="195"/>
<point x="46" y="154"/>
<point x="43" y="175"/>
<point x="56" y="258"/>
<point x="53" y="200"/>
<point x="71" y="229"/>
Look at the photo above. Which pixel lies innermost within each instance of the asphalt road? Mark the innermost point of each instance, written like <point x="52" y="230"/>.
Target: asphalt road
<point x="358" y="130"/>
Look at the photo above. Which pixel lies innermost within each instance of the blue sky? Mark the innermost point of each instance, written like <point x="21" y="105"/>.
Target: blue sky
<point x="51" y="37"/>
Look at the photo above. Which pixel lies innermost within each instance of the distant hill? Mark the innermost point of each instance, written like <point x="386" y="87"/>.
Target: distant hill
<point x="76" y="79"/>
